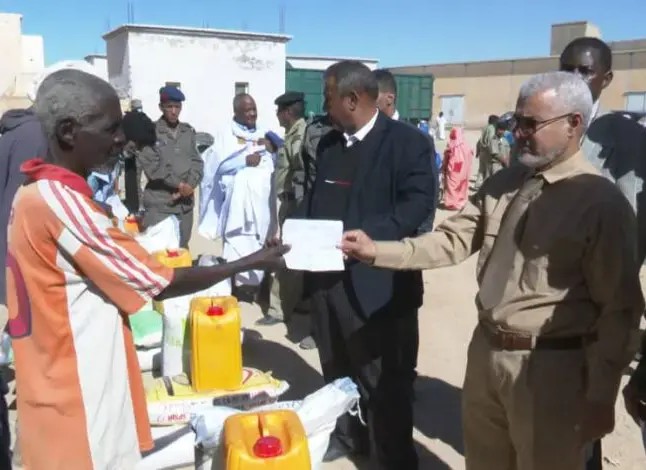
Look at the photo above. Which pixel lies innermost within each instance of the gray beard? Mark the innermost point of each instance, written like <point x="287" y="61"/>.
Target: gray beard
<point x="538" y="161"/>
<point x="533" y="161"/>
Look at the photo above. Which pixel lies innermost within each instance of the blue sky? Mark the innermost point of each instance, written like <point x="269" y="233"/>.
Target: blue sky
<point x="397" y="32"/>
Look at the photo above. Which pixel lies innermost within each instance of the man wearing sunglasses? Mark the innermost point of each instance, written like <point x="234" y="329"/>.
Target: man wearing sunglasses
<point x="559" y="299"/>
<point x="617" y="147"/>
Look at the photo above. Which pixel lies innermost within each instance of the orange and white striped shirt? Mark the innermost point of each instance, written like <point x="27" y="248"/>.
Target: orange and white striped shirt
<point x="72" y="278"/>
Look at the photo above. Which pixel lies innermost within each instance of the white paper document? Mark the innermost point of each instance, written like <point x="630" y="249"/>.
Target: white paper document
<point x="313" y="244"/>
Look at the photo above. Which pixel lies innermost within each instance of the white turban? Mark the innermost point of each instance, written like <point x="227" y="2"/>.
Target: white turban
<point x="80" y="65"/>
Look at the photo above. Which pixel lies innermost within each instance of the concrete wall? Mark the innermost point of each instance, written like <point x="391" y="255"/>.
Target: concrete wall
<point x="100" y="63"/>
<point x="207" y="68"/>
<point x="11" y="47"/>
<point x="563" y="33"/>
<point x="118" y="58"/>
<point x="322" y="63"/>
<point x="33" y="63"/>
<point x="33" y="54"/>
<point x="22" y="58"/>
<point x="492" y="87"/>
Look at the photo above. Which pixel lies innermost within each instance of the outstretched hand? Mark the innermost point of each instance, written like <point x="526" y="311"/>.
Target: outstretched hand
<point x="270" y="257"/>
<point x="356" y="244"/>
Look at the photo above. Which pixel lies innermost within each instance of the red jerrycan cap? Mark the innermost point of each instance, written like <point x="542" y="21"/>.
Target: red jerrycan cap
<point x="215" y="311"/>
<point x="268" y="447"/>
<point x="172" y="253"/>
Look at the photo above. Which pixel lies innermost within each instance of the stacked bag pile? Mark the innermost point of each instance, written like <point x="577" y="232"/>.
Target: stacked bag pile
<point x="196" y="342"/>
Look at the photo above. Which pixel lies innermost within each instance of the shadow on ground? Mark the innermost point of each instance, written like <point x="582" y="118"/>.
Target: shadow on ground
<point x="438" y="412"/>
<point x="284" y="363"/>
<point x="427" y="460"/>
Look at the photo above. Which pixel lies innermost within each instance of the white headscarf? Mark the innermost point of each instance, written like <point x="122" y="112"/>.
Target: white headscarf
<point x="81" y="65"/>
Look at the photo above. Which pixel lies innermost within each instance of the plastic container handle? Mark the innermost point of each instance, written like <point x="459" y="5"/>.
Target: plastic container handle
<point x="267" y="446"/>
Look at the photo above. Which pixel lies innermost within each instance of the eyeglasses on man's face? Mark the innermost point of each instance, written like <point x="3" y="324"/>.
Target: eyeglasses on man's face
<point x="526" y="126"/>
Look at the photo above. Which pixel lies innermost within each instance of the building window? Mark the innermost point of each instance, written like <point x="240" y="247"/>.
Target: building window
<point x="177" y="85"/>
<point x="242" y="88"/>
<point x="636" y="102"/>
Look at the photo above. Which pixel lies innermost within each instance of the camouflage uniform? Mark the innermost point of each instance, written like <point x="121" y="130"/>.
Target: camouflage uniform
<point x="318" y="128"/>
<point x="287" y="286"/>
<point x="295" y="167"/>
<point x="289" y="170"/>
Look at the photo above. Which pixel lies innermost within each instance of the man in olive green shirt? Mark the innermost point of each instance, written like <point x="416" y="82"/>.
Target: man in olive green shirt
<point x="289" y="180"/>
<point x="559" y="298"/>
<point x="482" y="150"/>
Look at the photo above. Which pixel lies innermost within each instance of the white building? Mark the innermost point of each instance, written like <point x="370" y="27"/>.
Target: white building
<point x="100" y="63"/>
<point x="305" y="62"/>
<point x="210" y="66"/>
<point x="23" y="58"/>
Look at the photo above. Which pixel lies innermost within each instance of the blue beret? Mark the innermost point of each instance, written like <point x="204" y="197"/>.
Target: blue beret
<point x="274" y="139"/>
<point x="171" y="93"/>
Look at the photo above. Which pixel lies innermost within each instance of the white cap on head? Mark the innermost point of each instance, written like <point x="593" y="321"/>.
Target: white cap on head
<point x="80" y="65"/>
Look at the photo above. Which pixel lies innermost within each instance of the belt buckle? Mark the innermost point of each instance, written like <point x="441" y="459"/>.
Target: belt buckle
<point x="512" y="341"/>
<point x="507" y="340"/>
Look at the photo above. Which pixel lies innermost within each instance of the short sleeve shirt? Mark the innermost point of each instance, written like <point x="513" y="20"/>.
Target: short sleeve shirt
<point x="72" y="278"/>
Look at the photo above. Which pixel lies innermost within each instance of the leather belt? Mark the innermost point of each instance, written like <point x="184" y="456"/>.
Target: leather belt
<point x="516" y="341"/>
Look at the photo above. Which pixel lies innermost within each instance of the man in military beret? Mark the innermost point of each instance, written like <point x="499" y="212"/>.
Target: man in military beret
<point x="289" y="178"/>
<point x="173" y="167"/>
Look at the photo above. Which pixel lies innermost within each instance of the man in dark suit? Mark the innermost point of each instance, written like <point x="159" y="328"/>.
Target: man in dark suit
<point x="373" y="173"/>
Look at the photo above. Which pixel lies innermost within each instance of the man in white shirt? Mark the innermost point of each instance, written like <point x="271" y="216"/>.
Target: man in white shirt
<point x="441" y="126"/>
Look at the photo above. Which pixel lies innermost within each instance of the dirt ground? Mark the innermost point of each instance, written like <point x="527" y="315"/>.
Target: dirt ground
<point x="446" y="322"/>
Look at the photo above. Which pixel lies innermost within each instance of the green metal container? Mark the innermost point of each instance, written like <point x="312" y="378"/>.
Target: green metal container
<point x="414" y="92"/>
<point x="414" y="96"/>
<point x="309" y="82"/>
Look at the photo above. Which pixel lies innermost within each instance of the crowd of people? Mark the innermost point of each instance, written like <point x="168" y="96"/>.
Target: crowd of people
<point x="556" y="218"/>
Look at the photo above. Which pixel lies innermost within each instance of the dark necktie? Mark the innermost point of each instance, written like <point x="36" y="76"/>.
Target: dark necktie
<point x="501" y="260"/>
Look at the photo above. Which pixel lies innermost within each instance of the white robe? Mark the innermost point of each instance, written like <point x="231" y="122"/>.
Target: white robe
<point x="235" y="200"/>
<point x="441" y="128"/>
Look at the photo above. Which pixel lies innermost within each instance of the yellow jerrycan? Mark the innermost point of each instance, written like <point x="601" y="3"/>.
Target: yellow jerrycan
<point x="179" y="258"/>
<point x="266" y="440"/>
<point x="216" y="348"/>
<point x="130" y="225"/>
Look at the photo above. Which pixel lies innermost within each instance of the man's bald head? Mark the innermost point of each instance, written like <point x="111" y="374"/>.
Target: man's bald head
<point x="71" y="95"/>
<point x="244" y="110"/>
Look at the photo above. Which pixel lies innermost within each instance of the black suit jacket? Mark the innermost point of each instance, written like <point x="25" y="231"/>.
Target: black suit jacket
<point x="392" y="193"/>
